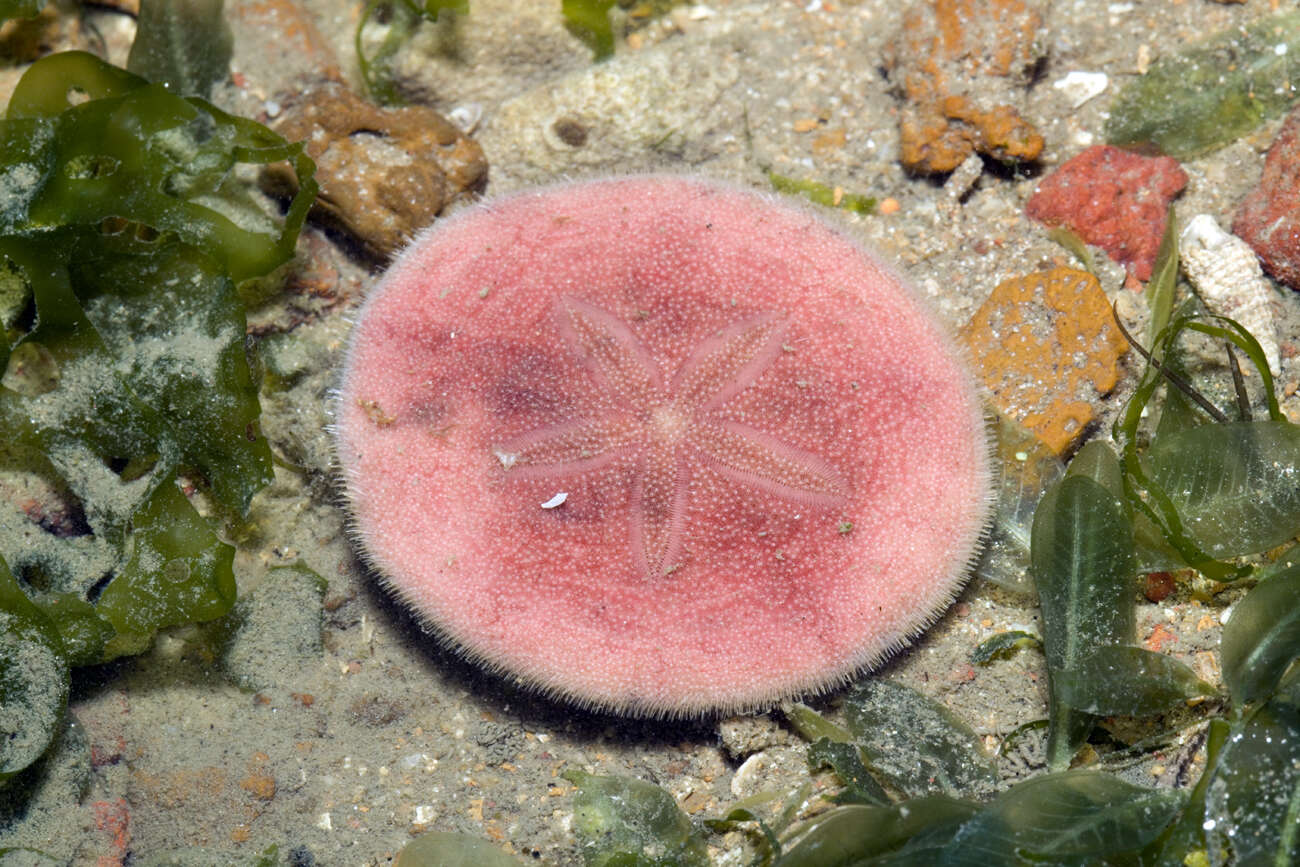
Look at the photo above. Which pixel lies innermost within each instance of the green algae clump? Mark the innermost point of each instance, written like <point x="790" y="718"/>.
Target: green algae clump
<point x="125" y="233"/>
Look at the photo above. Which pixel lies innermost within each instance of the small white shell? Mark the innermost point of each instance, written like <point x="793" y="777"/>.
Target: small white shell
<point x="1079" y="87"/>
<point x="1226" y="272"/>
<point x="466" y="116"/>
<point x="556" y="501"/>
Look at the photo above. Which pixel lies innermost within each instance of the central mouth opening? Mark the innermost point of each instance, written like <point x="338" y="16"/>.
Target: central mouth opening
<point x="668" y="423"/>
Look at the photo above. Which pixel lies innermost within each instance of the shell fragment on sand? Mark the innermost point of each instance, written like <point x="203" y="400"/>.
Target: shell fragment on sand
<point x="1226" y="273"/>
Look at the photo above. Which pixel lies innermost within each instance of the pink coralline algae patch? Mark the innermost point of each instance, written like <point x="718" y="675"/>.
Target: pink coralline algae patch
<point x="660" y="446"/>
<point x="1113" y="198"/>
<point x="1269" y="218"/>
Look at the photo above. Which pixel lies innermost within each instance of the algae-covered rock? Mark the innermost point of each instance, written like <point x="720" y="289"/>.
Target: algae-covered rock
<point x="125" y="232"/>
<point x="33" y="679"/>
<point x="278" y="629"/>
<point x="617" y="819"/>
<point x="1212" y="93"/>
<point x="39" y="805"/>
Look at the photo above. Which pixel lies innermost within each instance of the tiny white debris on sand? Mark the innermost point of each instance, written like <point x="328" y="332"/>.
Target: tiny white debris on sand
<point x="556" y="501"/>
<point x="963" y="179"/>
<point x="466" y="116"/>
<point x="1225" y="271"/>
<point x="507" y="459"/>
<point x="1079" y="87"/>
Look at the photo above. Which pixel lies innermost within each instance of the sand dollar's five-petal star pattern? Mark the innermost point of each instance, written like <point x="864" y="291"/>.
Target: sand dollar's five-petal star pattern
<point x="661" y="429"/>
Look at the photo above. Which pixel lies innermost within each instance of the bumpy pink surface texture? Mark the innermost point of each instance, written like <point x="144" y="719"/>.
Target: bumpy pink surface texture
<point x="660" y="446"/>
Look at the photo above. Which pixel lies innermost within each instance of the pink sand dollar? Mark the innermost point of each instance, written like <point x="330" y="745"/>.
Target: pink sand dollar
<point x="660" y="446"/>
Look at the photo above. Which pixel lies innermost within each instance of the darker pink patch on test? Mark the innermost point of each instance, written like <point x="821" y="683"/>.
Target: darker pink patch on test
<point x="660" y="446"/>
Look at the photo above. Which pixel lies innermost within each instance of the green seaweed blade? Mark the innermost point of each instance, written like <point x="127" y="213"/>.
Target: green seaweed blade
<point x="852" y="834"/>
<point x="1213" y="92"/>
<point x="1253" y="803"/>
<point x="20" y="9"/>
<point x="618" y="820"/>
<point x="190" y="365"/>
<point x="589" y="21"/>
<point x="178" y="571"/>
<point x="845" y="759"/>
<point x="1080" y="816"/>
<point x="124" y="222"/>
<point x="1026" y="469"/>
<point x="1262" y="638"/>
<point x="1236" y="486"/>
<point x="183" y="44"/>
<point x="1117" y="680"/>
<point x="920" y="745"/>
<point x="1082" y="562"/>
<point x="136" y="152"/>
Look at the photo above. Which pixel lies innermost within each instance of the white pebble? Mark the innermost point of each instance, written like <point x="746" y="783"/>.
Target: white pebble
<point x="1079" y="87"/>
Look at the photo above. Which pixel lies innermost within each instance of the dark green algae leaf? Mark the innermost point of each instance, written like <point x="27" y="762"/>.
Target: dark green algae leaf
<point x="178" y="572"/>
<point x="1082" y="558"/>
<point x="1075" y="817"/>
<point x="1117" y="680"/>
<point x="122" y="218"/>
<point x="184" y="44"/>
<point x="1252" y="812"/>
<point x="1208" y="489"/>
<point x="134" y="151"/>
<point x="626" y="822"/>
<point x="900" y="735"/>
<point x="1058" y="818"/>
<point x="917" y="743"/>
<point x="170" y="567"/>
<point x="450" y="849"/>
<point x="1213" y="92"/>
<point x="1026" y="469"/>
<point x="855" y="833"/>
<point x="589" y="21"/>
<point x="84" y="633"/>
<point x="811" y="725"/>
<point x="1235" y="486"/>
<point x="845" y="759"/>
<point x="1262" y="637"/>
<point x="190" y="365"/>
<point x="33" y="679"/>
<point x="20" y="8"/>
<point x="110" y="202"/>
<point x="1003" y="645"/>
